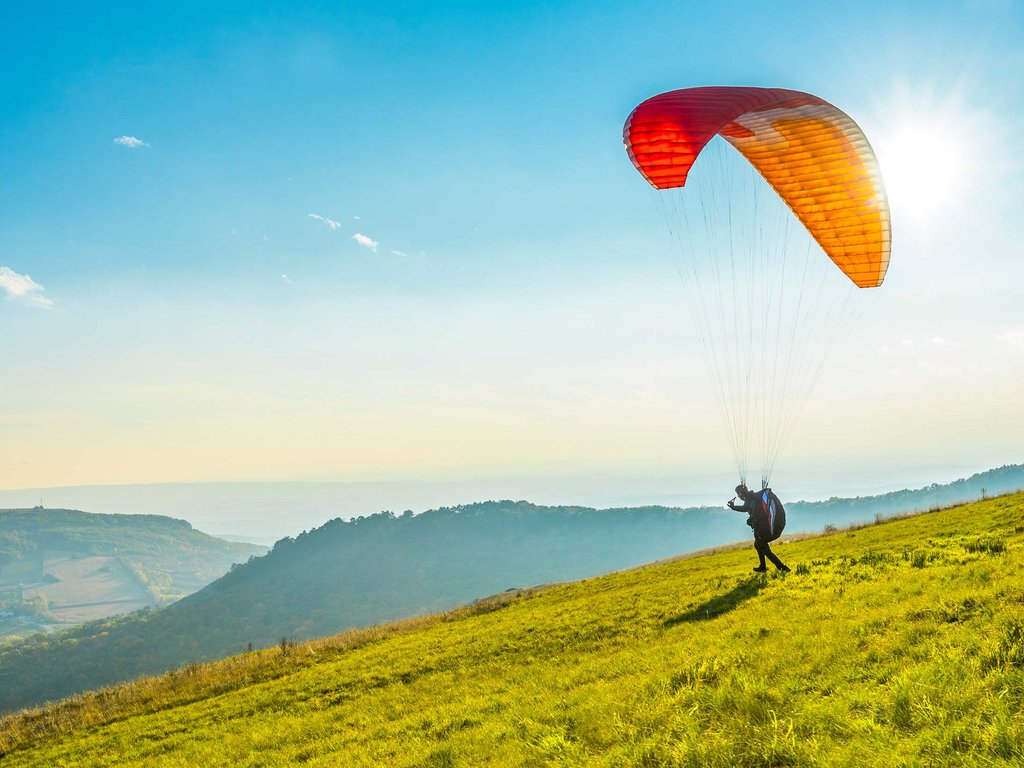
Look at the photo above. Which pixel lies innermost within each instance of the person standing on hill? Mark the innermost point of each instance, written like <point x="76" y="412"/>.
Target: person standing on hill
<point x="767" y="518"/>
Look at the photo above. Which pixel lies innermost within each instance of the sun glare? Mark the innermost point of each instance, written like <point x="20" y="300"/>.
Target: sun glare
<point x="922" y="167"/>
<point x="934" y="148"/>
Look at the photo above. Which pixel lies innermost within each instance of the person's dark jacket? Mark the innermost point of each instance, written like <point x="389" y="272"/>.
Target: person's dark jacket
<point x="765" y="513"/>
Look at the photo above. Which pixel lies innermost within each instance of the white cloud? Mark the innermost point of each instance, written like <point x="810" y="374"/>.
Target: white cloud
<point x="130" y="141"/>
<point x="919" y="346"/>
<point x="399" y="253"/>
<point x="286" y="279"/>
<point x="23" y="288"/>
<point x="329" y="222"/>
<point x="366" y="242"/>
<point x="1013" y="337"/>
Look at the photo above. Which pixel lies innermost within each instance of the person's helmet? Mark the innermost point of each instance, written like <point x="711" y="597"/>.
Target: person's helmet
<point x="741" y="490"/>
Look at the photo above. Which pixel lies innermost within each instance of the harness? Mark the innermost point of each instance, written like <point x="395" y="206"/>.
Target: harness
<point x="768" y="506"/>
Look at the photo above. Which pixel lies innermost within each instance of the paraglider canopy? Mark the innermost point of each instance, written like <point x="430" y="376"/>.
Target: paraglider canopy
<point x="811" y="153"/>
<point x="753" y="230"/>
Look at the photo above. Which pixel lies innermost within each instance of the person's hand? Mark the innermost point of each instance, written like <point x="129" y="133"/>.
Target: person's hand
<point x="730" y="504"/>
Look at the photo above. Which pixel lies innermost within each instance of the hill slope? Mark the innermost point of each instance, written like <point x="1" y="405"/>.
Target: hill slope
<point x="382" y="568"/>
<point x="895" y="644"/>
<point x="353" y="574"/>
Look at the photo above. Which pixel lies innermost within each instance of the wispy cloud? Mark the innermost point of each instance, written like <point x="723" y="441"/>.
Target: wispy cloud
<point x="24" y="289"/>
<point x="366" y="242"/>
<point x="329" y="222"/>
<point x="399" y="253"/>
<point x="1012" y="337"/>
<point x="131" y="142"/>
<point x="286" y="279"/>
<point x="919" y="346"/>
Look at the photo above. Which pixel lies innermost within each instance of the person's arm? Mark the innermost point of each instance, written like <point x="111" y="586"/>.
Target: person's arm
<point x="745" y="506"/>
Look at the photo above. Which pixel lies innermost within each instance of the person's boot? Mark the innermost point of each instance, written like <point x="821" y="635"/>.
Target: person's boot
<point x="761" y="568"/>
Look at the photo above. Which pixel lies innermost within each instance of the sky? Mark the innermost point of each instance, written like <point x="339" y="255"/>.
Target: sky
<point x="402" y="242"/>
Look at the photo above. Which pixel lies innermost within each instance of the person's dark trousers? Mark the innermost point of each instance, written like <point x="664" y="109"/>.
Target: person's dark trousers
<point x="761" y="544"/>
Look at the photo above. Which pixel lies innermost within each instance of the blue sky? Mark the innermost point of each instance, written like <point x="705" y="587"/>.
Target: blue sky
<point x="511" y="308"/>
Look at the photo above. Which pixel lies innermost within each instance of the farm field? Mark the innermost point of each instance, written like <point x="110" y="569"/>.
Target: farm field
<point x="60" y="568"/>
<point x="75" y="587"/>
<point x="88" y="587"/>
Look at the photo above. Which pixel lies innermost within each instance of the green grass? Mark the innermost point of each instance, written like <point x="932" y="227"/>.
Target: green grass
<point x="898" y="644"/>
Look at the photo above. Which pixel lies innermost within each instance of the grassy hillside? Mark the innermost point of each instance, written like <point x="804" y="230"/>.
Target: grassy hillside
<point x="895" y="644"/>
<point x="349" y="574"/>
<point x="356" y="574"/>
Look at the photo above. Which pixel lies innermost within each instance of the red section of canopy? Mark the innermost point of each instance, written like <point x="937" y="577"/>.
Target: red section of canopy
<point x="664" y="135"/>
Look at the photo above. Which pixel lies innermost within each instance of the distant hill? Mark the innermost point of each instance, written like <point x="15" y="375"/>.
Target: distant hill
<point x="838" y="511"/>
<point x="61" y="567"/>
<point x="892" y="644"/>
<point x="380" y="568"/>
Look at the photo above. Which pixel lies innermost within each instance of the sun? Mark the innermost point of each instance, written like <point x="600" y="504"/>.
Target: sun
<point x="929" y="155"/>
<point x="923" y="169"/>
